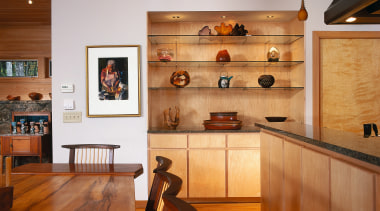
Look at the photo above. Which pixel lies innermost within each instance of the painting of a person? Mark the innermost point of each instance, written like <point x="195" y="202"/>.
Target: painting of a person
<point x="112" y="87"/>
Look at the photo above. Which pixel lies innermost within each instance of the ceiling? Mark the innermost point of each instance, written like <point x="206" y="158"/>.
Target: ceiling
<point x="19" y="12"/>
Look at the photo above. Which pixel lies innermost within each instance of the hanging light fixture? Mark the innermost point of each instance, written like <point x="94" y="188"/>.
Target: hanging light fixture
<point x="302" y="14"/>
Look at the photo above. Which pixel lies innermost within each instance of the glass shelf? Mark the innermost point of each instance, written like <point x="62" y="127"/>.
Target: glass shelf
<point x="224" y="64"/>
<point x="242" y="88"/>
<point x="214" y="39"/>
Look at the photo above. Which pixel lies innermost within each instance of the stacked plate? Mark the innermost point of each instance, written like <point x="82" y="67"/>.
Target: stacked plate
<point x="222" y="121"/>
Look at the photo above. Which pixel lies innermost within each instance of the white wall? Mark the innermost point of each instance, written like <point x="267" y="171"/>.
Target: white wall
<point x="78" y="23"/>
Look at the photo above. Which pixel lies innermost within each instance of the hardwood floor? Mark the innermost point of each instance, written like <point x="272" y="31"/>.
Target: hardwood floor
<point x="225" y="206"/>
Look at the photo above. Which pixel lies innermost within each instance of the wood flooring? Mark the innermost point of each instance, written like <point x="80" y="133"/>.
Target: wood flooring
<point x="224" y="207"/>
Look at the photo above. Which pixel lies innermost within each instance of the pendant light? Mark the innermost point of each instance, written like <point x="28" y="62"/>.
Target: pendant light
<point x="302" y="14"/>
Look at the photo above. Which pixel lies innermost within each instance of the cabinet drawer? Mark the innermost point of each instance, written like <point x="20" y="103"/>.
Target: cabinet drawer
<point x="207" y="141"/>
<point x="167" y="141"/>
<point x="244" y="140"/>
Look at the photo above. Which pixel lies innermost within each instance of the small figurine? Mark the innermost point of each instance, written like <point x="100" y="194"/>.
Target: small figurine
<point x="31" y="127"/>
<point x="22" y="126"/>
<point x="14" y="127"/>
<point x="41" y="127"/>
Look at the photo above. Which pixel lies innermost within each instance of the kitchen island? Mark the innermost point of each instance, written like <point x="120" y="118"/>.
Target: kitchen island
<point x="311" y="168"/>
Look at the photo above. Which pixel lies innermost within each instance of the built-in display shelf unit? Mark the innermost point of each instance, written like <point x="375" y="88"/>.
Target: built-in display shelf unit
<point x="197" y="55"/>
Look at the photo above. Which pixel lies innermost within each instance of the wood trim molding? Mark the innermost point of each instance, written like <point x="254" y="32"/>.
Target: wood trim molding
<point x="317" y="84"/>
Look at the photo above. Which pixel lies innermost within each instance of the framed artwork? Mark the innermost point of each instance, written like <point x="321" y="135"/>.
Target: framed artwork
<point x="113" y="81"/>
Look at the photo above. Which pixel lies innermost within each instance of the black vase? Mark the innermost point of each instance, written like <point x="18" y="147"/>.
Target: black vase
<point x="266" y="81"/>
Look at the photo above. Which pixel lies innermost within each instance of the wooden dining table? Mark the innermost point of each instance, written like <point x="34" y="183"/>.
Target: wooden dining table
<point x="63" y="186"/>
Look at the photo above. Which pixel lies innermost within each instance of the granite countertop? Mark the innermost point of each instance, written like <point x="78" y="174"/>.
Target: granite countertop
<point x="19" y="134"/>
<point x="244" y="129"/>
<point x="343" y="142"/>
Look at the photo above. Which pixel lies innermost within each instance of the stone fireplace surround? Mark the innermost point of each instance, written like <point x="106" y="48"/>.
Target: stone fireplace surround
<point x="7" y="107"/>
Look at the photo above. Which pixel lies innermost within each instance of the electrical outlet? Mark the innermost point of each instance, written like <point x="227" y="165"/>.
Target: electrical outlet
<point x="70" y="117"/>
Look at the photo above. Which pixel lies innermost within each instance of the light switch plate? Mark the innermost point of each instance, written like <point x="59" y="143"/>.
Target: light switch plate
<point x="72" y="117"/>
<point x="68" y="104"/>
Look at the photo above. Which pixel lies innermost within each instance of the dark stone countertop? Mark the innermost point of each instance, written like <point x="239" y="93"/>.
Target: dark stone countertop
<point x="244" y="129"/>
<point x="343" y="142"/>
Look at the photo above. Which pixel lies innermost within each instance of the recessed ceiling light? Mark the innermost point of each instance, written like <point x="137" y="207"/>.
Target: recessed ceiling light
<point x="223" y="17"/>
<point x="30" y="2"/>
<point x="270" y="16"/>
<point x="350" y="19"/>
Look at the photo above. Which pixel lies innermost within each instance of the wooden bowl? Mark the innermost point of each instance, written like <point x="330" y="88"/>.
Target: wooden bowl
<point x="11" y="98"/>
<point x="223" y="116"/>
<point x="222" y="125"/>
<point x="275" y="118"/>
<point x="35" y="96"/>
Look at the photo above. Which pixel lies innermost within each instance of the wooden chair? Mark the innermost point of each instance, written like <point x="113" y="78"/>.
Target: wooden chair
<point x="158" y="184"/>
<point x="171" y="202"/>
<point x="6" y="191"/>
<point x="91" y="153"/>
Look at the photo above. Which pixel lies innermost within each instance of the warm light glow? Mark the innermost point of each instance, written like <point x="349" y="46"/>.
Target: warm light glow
<point x="350" y="19"/>
<point x="223" y="17"/>
<point x="270" y="16"/>
<point x="30" y="2"/>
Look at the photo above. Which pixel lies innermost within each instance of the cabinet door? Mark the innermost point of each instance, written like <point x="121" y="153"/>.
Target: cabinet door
<point x="26" y="145"/>
<point x="264" y="169"/>
<point x="6" y="145"/>
<point x="178" y="167"/>
<point x="244" y="173"/>
<point x="315" y="181"/>
<point x="207" y="175"/>
<point x="243" y="165"/>
<point x="276" y="169"/>
<point x="292" y="176"/>
<point x="351" y="188"/>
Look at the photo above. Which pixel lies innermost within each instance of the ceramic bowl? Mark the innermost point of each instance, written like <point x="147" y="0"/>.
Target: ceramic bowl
<point x="35" y="96"/>
<point x="165" y="54"/>
<point x="223" y="116"/>
<point x="275" y="118"/>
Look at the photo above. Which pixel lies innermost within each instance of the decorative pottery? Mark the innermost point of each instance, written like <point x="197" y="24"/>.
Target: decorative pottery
<point x="223" y="116"/>
<point x="180" y="78"/>
<point x="222" y="125"/>
<point x="223" y="29"/>
<point x="170" y="121"/>
<point x="35" y="96"/>
<point x="239" y="30"/>
<point x="205" y="31"/>
<point x="14" y="127"/>
<point x="275" y="118"/>
<point x="11" y="98"/>
<point x="223" y="56"/>
<point x="165" y="54"/>
<point x="273" y="55"/>
<point x="224" y="81"/>
<point x="266" y="81"/>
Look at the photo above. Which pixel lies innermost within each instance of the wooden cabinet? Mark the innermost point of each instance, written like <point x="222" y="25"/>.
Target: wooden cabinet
<point x="296" y="176"/>
<point x="197" y="55"/>
<point x="352" y="188"/>
<point x="27" y="145"/>
<point x="211" y="164"/>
